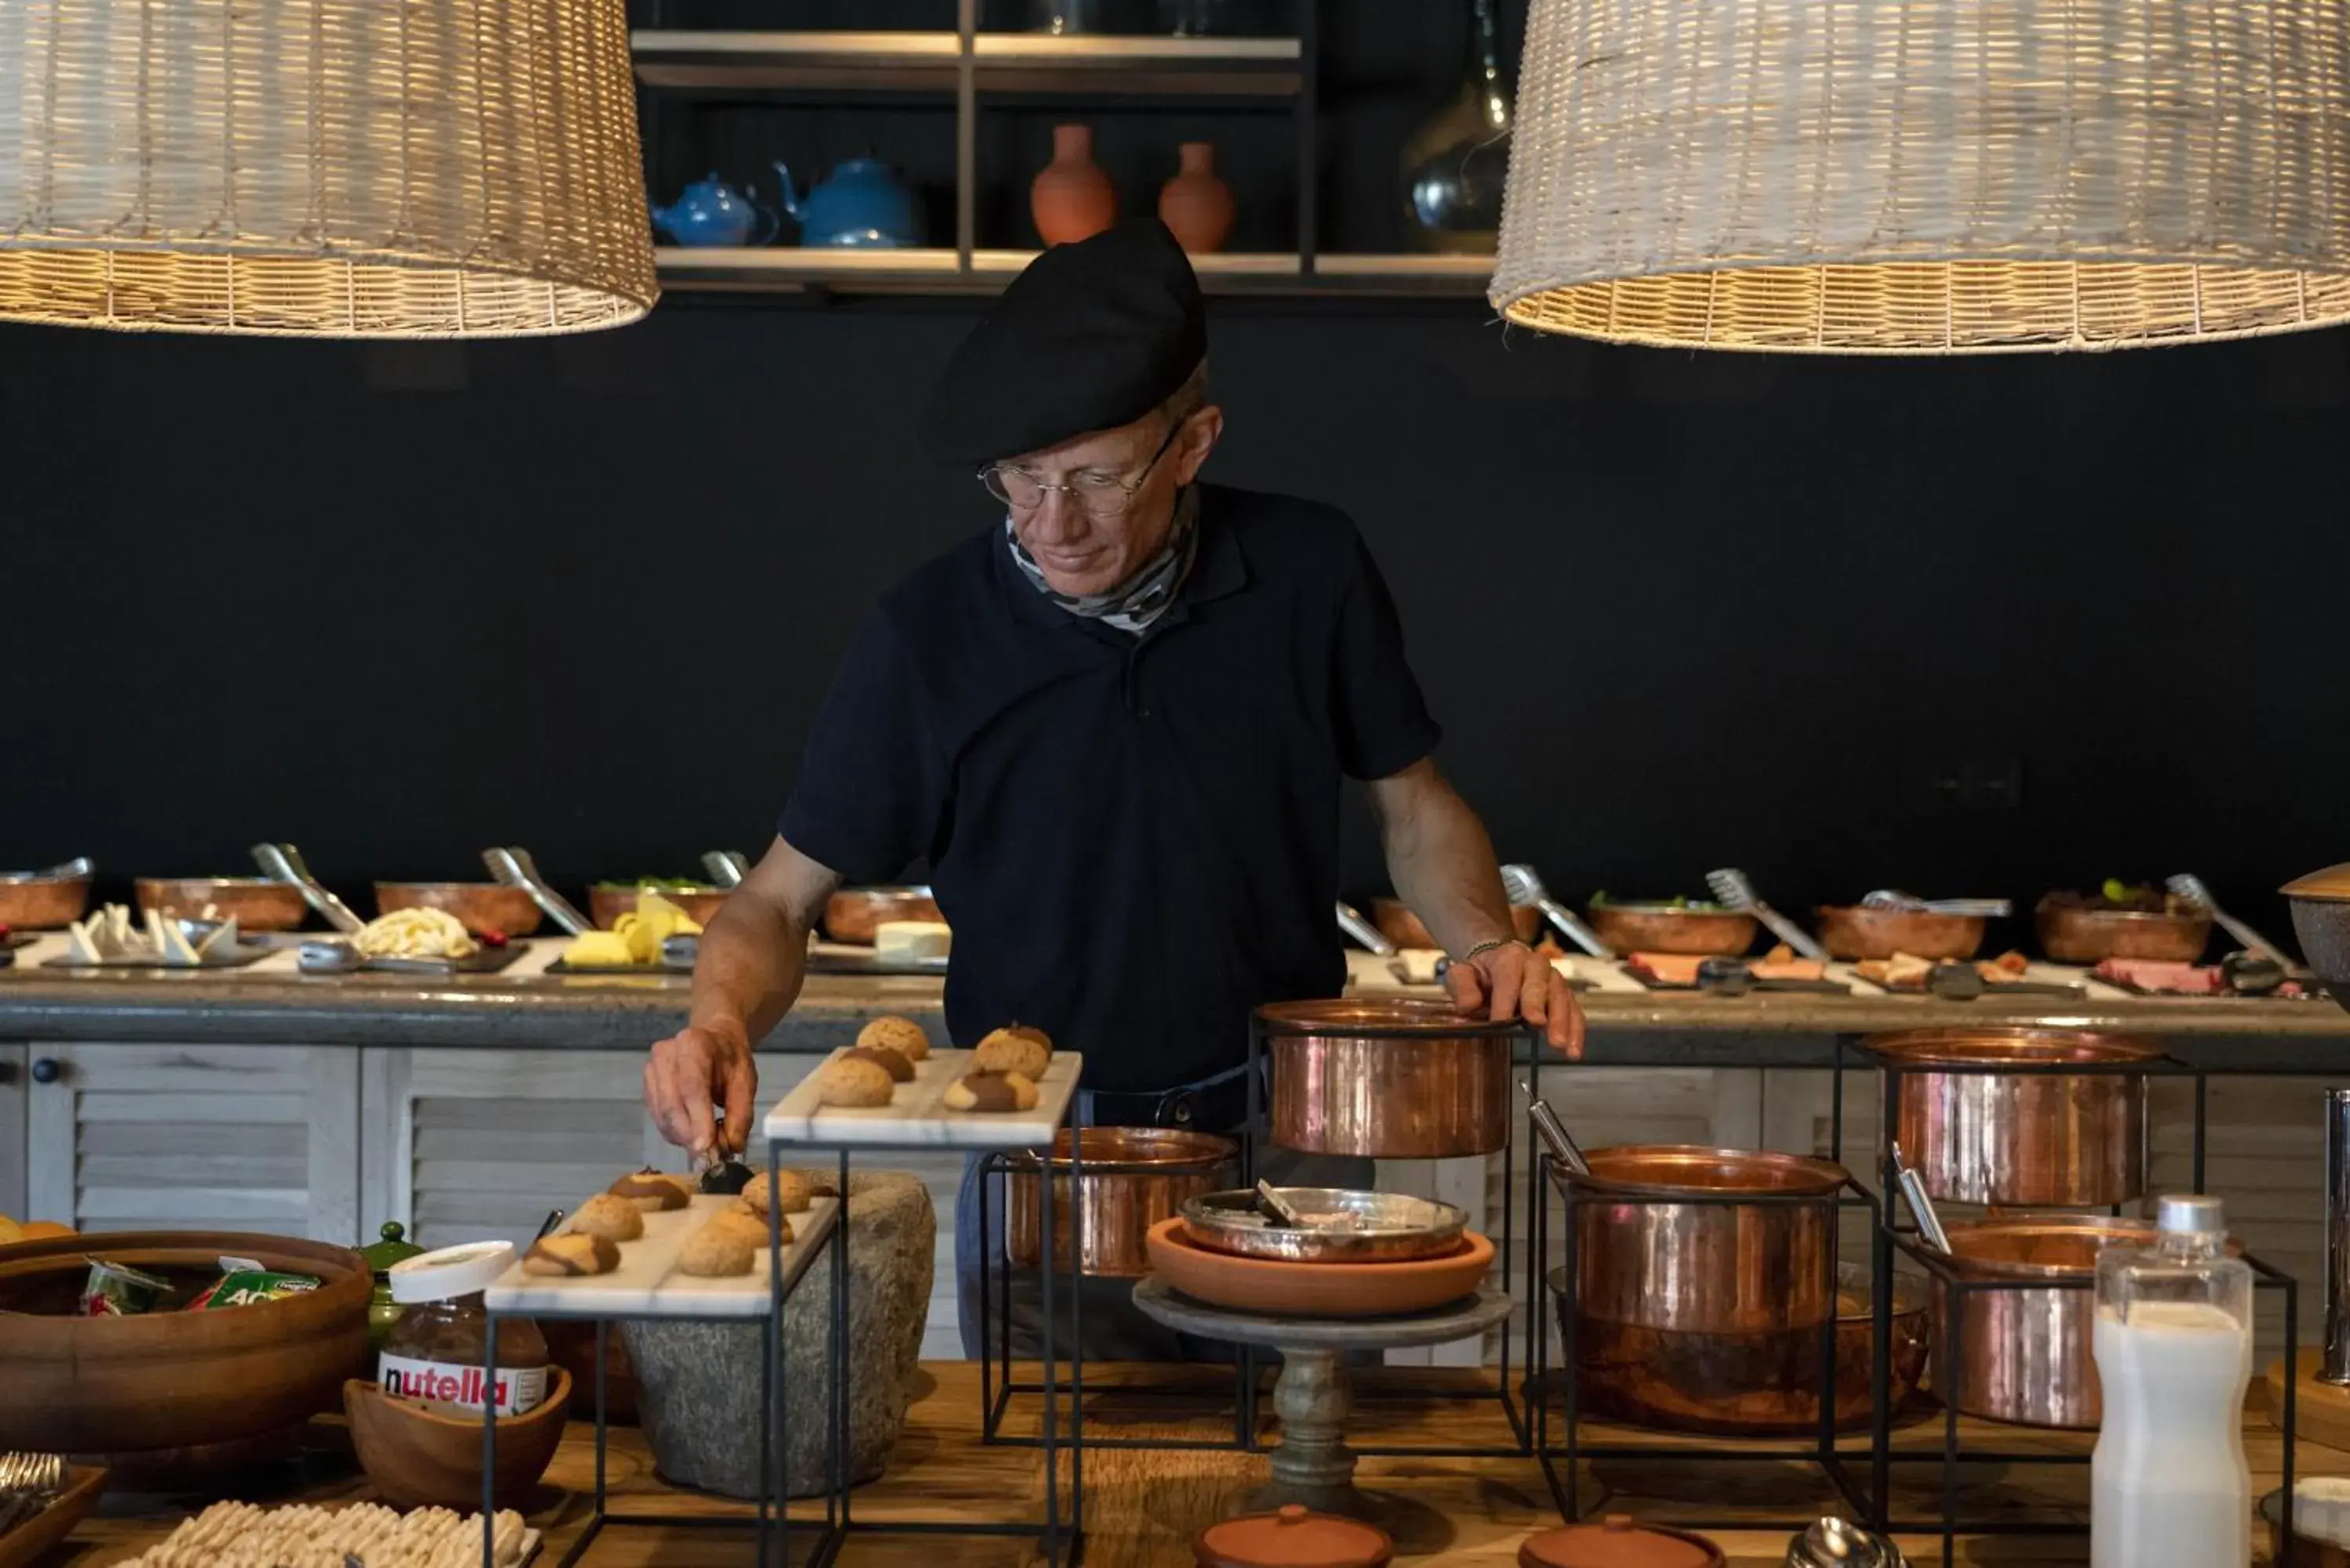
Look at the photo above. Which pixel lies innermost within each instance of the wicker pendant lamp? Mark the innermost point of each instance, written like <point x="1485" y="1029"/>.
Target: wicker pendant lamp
<point x="331" y="167"/>
<point x="1929" y="176"/>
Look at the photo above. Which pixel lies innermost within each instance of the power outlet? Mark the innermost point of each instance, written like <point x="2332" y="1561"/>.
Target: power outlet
<point x="1970" y="784"/>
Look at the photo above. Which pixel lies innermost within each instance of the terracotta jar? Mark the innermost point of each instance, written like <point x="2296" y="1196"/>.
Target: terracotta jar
<point x="1197" y="204"/>
<point x="1072" y="199"/>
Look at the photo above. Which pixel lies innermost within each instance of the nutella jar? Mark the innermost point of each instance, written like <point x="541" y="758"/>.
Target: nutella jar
<point x="433" y="1354"/>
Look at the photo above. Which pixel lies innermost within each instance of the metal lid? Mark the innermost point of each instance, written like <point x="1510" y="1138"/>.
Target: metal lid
<point x="395" y="1248"/>
<point x="450" y="1273"/>
<point x="1379" y="1017"/>
<point x="1617" y="1542"/>
<point x="1293" y="1536"/>
<point x="2191" y="1214"/>
<point x="2331" y="886"/>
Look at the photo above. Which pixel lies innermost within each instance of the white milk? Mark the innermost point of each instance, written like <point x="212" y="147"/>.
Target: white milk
<point x="2168" y="1483"/>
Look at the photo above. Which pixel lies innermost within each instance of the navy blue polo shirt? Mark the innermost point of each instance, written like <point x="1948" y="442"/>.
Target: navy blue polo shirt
<point x="1136" y="839"/>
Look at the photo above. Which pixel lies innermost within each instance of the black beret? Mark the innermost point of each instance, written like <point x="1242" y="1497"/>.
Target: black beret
<point x="1089" y="337"/>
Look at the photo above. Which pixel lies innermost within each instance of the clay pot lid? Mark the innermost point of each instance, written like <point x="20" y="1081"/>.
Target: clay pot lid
<point x="1617" y="1542"/>
<point x="1293" y="1536"/>
<point x="2331" y="886"/>
<point x="394" y="1248"/>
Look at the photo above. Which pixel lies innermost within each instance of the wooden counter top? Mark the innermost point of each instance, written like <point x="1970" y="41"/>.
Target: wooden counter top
<point x="1142" y="1508"/>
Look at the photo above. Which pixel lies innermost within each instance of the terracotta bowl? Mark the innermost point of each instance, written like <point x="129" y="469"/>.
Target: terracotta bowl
<point x="1317" y="1290"/>
<point x="2070" y="933"/>
<point x="1400" y="926"/>
<point x="420" y="1458"/>
<point x="172" y="1379"/>
<point x="479" y="906"/>
<point x="606" y="905"/>
<point x="1661" y="929"/>
<point x="850" y="914"/>
<point x="1857" y="932"/>
<point x="25" y="1545"/>
<point x="258" y="904"/>
<point x="45" y="903"/>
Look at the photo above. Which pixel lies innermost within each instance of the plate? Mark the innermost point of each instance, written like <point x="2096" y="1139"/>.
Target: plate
<point x="1279" y="1289"/>
<point x="30" y="1541"/>
<point x="237" y="958"/>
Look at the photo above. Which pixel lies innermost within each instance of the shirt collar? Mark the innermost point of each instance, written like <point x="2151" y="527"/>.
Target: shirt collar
<point x="1221" y="569"/>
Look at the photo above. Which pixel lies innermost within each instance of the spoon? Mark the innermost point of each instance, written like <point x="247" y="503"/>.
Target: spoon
<point x="1913" y="1190"/>
<point x="1834" y="1542"/>
<point x="1554" y="1132"/>
<point x="1525" y="886"/>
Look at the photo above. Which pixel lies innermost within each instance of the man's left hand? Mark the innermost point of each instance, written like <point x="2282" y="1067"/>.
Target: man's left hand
<point x="1514" y="982"/>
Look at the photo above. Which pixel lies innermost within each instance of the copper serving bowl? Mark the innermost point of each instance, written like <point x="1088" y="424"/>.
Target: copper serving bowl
<point x="1158" y="1170"/>
<point x="1400" y="926"/>
<point x="2077" y="933"/>
<point x="850" y="914"/>
<point x="1859" y="932"/>
<point x="1760" y="1384"/>
<point x="2022" y="1140"/>
<point x="479" y="907"/>
<point x="606" y="905"/>
<point x="1387" y="1078"/>
<point x="256" y="903"/>
<point x="44" y="903"/>
<point x="1666" y="929"/>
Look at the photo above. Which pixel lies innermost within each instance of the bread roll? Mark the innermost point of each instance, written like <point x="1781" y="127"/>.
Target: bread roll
<point x="902" y="1035"/>
<point x="614" y="1219"/>
<point x="853" y="1083"/>
<point x="992" y="1092"/>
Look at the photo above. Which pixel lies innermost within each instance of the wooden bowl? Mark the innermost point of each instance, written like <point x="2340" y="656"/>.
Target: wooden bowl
<point x="606" y="905"/>
<point x="479" y="907"/>
<point x="850" y="914"/>
<point x="1661" y="928"/>
<point x="25" y="1545"/>
<point x="1281" y="1289"/>
<point x="1858" y="931"/>
<point x="2073" y="933"/>
<point x="420" y="1458"/>
<point x="45" y="903"/>
<point x="258" y="903"/>
<point x="1400" y="926"/>
<point x="172" y="1379"/>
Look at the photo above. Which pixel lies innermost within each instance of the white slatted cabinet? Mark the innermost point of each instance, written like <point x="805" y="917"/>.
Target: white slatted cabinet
<point x="224" y="1137"/>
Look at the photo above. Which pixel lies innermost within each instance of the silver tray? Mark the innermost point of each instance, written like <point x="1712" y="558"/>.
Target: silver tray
<point x="1388" y="1228"/>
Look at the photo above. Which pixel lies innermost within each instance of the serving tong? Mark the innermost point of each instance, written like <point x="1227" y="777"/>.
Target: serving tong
<point x="79" y="865"/>
<point x="284" y="863"/>
<point x="1525" y="886"/>
<point x="514" y="866"/>
<point x="1894" y="898"/>
<point x="2193" y="889"/>
<point x="1351" y="921"/>
<point x="28" y="1484"/>
<point x="727" y="867"/>
<point x="1731" y="889"/>
<point x="1555" y="1135"/>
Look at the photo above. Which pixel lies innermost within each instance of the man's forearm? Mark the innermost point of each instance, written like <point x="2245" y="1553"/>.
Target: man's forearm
<point x="753" y="959"/>
<point x="1442" y="865"/>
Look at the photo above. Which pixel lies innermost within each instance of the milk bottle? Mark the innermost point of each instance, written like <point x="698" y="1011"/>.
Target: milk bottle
<point x="2169" y="1484"/>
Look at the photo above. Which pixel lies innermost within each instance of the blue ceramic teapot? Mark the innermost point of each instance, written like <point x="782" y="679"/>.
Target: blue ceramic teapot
<point x="864" y="203"/>
<point x="710" y="211"/>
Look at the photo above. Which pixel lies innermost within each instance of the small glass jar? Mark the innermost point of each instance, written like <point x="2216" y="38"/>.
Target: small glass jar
<point x="433" y="1354"/>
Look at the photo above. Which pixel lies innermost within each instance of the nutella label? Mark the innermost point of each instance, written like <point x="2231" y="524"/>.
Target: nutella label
<point x="519" y="1388"/>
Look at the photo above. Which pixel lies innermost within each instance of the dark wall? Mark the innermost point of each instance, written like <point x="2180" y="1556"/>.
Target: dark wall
<point x="1675" y="610"/>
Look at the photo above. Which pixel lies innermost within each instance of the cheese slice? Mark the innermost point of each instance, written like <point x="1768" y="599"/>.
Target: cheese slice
<point x="904" y="942"/>
<point x="170" y="944"/>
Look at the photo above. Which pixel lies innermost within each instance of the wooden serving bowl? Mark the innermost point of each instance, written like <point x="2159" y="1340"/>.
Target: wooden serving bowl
<point x="172" y="1379"/>
<point x="1281" y="1289"/>
<point x="1662" y="928"/>
<point x="606" y="905"/>
<point x="257" y="903"/>
<point x="850" y="914"/>
<point x="1859" y="932"/>
<point x="1397" y="922"/>
<point x="25" y="1545"/>
<point x="44" y="903"/>
<point x="420" y="1458"/>
<point x="479" y="907"/>
<point x="2074" y="934"/>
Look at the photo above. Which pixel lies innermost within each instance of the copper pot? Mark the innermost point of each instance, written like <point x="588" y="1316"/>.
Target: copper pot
<point x="606" y="905"/>
<point x="1387" y="1078"/>
<point x="1149" y="1173"/>
<point x="43" y="903"/>
<point x="1663" y="929"/>
<point x="2075" y="933"/>
<point x="2024" y="1355"/>
<point x="257" y="903"/>
<point x="1859" y="932"/>
<point x="1400" y="926"/>
<point x="2056" y="1140"/>
<point x="479" y="907"/>
<point x="850" y="914"/>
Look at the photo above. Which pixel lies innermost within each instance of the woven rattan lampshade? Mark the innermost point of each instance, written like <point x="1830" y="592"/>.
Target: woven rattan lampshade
<point x="1929" y="176"/>
<point x="339" y="168"/>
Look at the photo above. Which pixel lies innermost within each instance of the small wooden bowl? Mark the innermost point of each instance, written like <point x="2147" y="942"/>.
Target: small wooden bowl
<point x="420" y="1459"/>
<point x="1281" y="1289"/>
<point x="606" y="905"/>
<point x="1661" y="928"/>
<point x="1859" y="932"/>
<point x="26" y="1544"/>
<point x="258" y="903"/>
<point x="479" y="907"/>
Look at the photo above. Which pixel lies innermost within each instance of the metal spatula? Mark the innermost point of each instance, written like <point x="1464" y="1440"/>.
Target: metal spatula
<point x="1731" y="886"/>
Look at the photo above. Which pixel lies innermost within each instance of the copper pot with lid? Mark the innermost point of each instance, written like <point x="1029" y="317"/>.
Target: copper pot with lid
<point x="1387" y="1078"/>
<point x="1133" y="1178"/>
<point x="2034" y="1139"/>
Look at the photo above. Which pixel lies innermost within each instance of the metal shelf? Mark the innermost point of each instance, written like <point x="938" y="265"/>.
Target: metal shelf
<point x="795" y="269"/>
<point x="1001" y="63"/>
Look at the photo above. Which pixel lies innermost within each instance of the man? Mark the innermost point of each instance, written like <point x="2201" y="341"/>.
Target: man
<point x="1115" y="724"/>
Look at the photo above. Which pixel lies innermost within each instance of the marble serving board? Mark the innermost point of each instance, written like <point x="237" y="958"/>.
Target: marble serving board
<point x="918" y="1115"/>
<point x="647" y="1283"/>
<point x="843" y="958"/>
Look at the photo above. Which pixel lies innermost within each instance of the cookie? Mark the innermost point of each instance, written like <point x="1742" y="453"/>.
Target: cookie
<point x="718" y="1250"/>
<point x="902" y="1035"/>
<point x="893" y="1062"/>
<point x="572" y="1253"/>
<point x="992" y="1092"/>
<point x="1016" y="1049"/>
<point x="614" y="1219"/>
<point x="849" y="1082"/>
<point x="653" y="1191"/>
<point x="744" y="1223"/>
<point x="793" y="1187"/>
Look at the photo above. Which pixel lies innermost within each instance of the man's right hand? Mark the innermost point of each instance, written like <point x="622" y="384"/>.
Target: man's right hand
<point x="701" y="1065"/>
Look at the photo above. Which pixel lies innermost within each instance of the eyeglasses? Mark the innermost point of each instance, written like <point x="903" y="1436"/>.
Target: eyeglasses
<point x="1096" y="494"/>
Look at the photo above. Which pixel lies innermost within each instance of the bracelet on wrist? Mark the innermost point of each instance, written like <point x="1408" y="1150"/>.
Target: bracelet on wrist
<point x="1478" y="951"/>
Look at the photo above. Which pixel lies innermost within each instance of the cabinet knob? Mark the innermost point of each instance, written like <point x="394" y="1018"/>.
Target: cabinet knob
<point x="46" y="1070"/>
